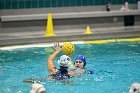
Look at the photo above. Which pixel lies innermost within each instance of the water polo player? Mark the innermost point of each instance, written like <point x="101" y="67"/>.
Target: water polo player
<point x="79" y="66"/>
<point x="63" y="62"/>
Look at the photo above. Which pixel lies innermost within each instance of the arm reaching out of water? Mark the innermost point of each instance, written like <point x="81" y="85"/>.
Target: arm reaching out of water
<point x="51" y="66"/>
<point x="54" y="73"/>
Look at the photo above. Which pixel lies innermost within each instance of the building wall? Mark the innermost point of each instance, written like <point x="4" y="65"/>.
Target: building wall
<point x="27" y="4"/>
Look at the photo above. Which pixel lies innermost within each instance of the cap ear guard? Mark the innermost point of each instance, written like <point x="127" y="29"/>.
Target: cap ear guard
<point x="135" y="88"/>
<point x="37" y="88"/>
<point x="64" y="61"/>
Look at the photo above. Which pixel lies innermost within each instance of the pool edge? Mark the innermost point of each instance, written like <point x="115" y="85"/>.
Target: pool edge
<point x="112" y="41"/>
<point x="74" y="42"/>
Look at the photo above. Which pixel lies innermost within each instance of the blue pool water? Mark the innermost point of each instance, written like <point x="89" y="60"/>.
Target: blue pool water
<point x="116" y="67"/>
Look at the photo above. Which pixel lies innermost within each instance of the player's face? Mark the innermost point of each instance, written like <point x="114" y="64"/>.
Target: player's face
<point x="79" y="64"/>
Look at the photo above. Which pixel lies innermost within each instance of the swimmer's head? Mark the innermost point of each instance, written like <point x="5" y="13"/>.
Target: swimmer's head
<point x="64" y="61"/>
<point x="81" y="58"/>
<point x="37" y="88"/>
<point x="135" y="88"/>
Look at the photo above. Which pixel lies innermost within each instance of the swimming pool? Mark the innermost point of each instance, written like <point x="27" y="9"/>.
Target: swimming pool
<point x="115" y="65"/>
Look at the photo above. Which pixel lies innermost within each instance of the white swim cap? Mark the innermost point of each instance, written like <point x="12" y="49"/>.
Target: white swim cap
<point x="37" y="88"/>
<point x="64" y="61"/>
<point x="135" y="88"/>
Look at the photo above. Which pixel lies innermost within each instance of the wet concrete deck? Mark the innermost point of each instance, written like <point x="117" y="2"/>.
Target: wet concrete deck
<point x="17" y="38"/>
<point x="67" y="29"/>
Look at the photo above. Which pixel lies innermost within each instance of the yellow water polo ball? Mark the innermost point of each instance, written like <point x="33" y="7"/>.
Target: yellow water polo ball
<point x="67" y="48"/>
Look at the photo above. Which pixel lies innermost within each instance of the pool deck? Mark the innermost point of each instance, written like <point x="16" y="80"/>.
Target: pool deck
<point x="14" y="36"/>
<point x="17" y="38"/>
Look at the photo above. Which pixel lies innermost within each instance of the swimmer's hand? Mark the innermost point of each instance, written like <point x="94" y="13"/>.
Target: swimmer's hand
<point x="57" y="47"/>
